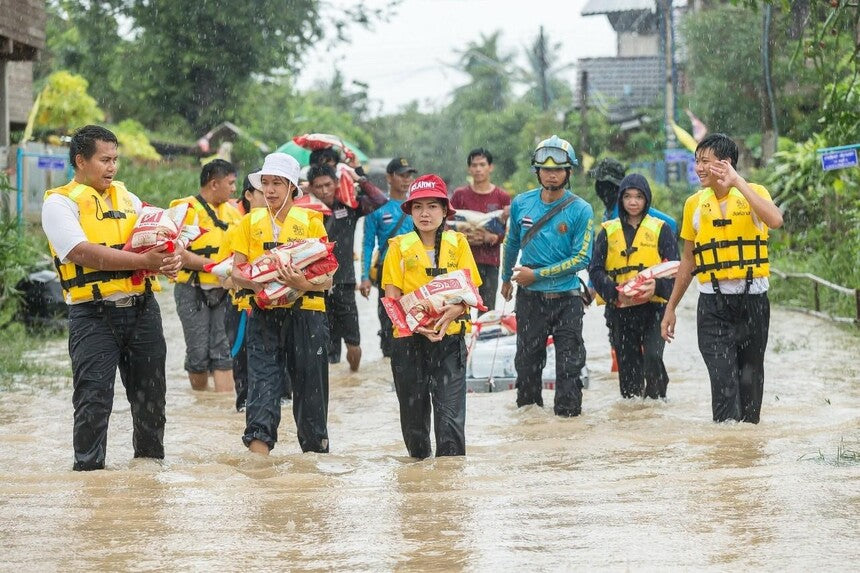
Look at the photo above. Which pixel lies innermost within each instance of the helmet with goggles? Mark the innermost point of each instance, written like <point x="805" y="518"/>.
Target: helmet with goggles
<point x="554" y="153"/>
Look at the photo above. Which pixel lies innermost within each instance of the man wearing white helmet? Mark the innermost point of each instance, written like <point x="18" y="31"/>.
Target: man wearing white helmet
<point x="551" y="233"/>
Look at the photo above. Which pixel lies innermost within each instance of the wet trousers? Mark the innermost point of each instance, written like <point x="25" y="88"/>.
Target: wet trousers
<point x="386" y="334"/>
<point x="635" y="334"/>
<point x="489" y="285"/>
<point x="102" y="339"/>
<point x="539" y="317"/>
<point x="342" y="314"/>
<point x="202" y="314"/>
<point x="431" y="376"/>
<point x="232" y="324"/>
<point x="733" y="332"/>
<point x="282" y="342"/>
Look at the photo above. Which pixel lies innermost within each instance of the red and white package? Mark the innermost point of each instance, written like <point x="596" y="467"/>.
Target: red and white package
<point x="222" y="269"/>
<point x="346" y="185"/>
<point x="157" y="227"/>
<point x="634" y="286"/>
<point x="308" y="201"/>
<point x="299" y="254"/>
<point x="277" y="294"/>
<point x="422" y="306"/>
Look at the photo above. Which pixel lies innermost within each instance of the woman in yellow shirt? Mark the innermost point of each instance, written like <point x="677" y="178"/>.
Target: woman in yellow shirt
<point x="290" y="338"/>
<point x="429" y="367"/>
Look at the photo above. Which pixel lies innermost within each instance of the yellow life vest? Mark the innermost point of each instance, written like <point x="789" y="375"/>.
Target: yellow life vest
<point x="418" y="270"/>
<point x="624" y="262"/>
<point x="212" y="243"/>
<point x="296" y="225"/>
<point x="104" y="226"/>
<point x="729" y="247"/>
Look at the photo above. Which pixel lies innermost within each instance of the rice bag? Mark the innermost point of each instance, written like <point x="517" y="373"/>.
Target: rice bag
<point x="222" y="269"/>
<point x="157" y="227"/>
<point x="300" y="254"/>
<point x="346" y="186"/>
<point x="633" y="287"/>
<point x="465" y="221"/>
<point x="422" y="306"/>
<point x="277" y="294"/>
<point x="308" y="201"/>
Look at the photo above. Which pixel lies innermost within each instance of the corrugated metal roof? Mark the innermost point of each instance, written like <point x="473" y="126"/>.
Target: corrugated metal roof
<point x="609" y="6"/>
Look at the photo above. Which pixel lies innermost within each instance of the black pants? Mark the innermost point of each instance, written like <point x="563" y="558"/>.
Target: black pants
<point x="733" y="333"/>
<point x="386" y="334"/>
<point x="431" y="375"/>
<point x="490" y="285"/>
<point x="537" y="319"/>
<point x="284" y="342"/>
<point x="342" y="315"/>
<point x="102" y="339"/>
<point x="635" y="335"/>
<point x="232" y="324"/>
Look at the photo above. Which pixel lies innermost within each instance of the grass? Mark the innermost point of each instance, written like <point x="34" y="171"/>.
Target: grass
<point x="22" y="359"/>
<point x="844" y="455"/>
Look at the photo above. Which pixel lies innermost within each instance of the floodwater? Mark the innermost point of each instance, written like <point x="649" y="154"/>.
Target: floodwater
<point x="628" y="485"/>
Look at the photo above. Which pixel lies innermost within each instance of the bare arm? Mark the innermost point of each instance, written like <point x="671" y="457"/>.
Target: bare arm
<point x="682" y="282"/>
<point x="238" y="279"/>
<point x="392" y="291"/>
<point x="764" y="209"/>
<point x="100" y="257"/>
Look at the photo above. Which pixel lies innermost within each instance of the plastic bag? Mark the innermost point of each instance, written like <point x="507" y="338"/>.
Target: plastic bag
<point x="277" y="294"/>
<point x="299" y="254"/>
<point x="422" y="306"/>
<point x="465" y="220"/>
<point x="633" y="287"/>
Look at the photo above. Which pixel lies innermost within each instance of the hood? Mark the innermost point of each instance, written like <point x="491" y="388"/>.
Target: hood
<point x="635" y="181"/>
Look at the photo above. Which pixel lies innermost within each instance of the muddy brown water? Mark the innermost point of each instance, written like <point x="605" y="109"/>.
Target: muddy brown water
<point x="628" y="485"/>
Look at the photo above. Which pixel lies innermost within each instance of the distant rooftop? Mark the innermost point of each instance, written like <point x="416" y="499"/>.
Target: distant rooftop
<point x="594" y="7"/>
<point x="621" y="86"/>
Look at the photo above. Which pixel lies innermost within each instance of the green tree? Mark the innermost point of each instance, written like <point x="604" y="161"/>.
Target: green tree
<point x="65" y="103"/>
<point x="490" y="72"/>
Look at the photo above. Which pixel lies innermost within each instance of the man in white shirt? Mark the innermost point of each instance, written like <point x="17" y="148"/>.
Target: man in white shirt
<point x="114" y="320"/>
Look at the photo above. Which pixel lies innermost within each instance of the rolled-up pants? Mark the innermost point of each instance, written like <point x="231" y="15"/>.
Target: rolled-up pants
<point x="431" y="376"/>
<point x="283" y="341"/>
<point x="102" y="339"/>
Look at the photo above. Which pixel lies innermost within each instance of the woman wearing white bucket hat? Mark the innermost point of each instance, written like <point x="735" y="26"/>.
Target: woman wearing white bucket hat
<point x="289" y="338"/>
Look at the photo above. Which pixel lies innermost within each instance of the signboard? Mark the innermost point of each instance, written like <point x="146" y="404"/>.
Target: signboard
<point x="839" y="159"/>
<point x="51" y="162"/>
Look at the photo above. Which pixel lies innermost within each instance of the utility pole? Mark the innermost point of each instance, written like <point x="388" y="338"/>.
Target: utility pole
<point x="542" y="66"/>
<point x="665" y="7"/>
<point x="583" y="110"/>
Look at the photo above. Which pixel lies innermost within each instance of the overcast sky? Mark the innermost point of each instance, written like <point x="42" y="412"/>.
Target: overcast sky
<point x="411" y="56"/>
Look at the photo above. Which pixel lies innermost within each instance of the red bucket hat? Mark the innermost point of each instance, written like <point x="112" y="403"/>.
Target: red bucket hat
<point x="427" y="187"/>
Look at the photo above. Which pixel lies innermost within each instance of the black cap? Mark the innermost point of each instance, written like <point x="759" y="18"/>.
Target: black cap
<point x="608" y="169"/>
<point x="399" y="165"/>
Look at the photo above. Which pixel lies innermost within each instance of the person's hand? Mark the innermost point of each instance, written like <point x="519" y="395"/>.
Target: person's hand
<point x="667" y="325"/>
<point x="364" y="288"/>
<point x="646" y="291"/>
<point x="449" y="313"/>
<point x="352" y="161"/>
<point x="725" y="173"/>
<point x="507" y="290"/>
<point x="154" y="259"/>
<point x="290" y="276"/>
<point x="172" y="264"/>
<point x="523" y="276"/>
<point x="475" y="237"/>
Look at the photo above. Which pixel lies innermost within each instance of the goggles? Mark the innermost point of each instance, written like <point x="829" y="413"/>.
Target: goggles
<point x="555" y="155"/>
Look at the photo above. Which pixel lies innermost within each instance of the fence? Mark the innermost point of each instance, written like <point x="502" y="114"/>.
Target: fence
<point x="816" y="295"/>
<point x="37" y="168"/>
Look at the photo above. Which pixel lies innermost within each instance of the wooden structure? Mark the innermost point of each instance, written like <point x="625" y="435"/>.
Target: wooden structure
<point x="22" y="38"/>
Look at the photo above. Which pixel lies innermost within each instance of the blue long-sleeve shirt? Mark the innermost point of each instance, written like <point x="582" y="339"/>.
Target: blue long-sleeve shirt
<point x="560" y="249"/>
<point x="378" y="227"/>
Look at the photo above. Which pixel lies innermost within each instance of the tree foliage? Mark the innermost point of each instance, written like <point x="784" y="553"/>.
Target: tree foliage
<point x="65" y="103"/>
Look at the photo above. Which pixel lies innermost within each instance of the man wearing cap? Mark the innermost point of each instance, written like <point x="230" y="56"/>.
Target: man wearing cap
<point x="553" y="229"/>
<point x="340" y="227"/>
<point x="114" y="321"/>
<point x="607" y="174"/>
<point x="284" y="337"/>
<point x="383" y="224"/>
<point x="201" y="301"/>
<point x="482" y="196"/>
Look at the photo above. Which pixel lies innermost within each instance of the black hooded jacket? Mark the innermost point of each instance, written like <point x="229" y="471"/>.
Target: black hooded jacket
<point x="667" y="245"/>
